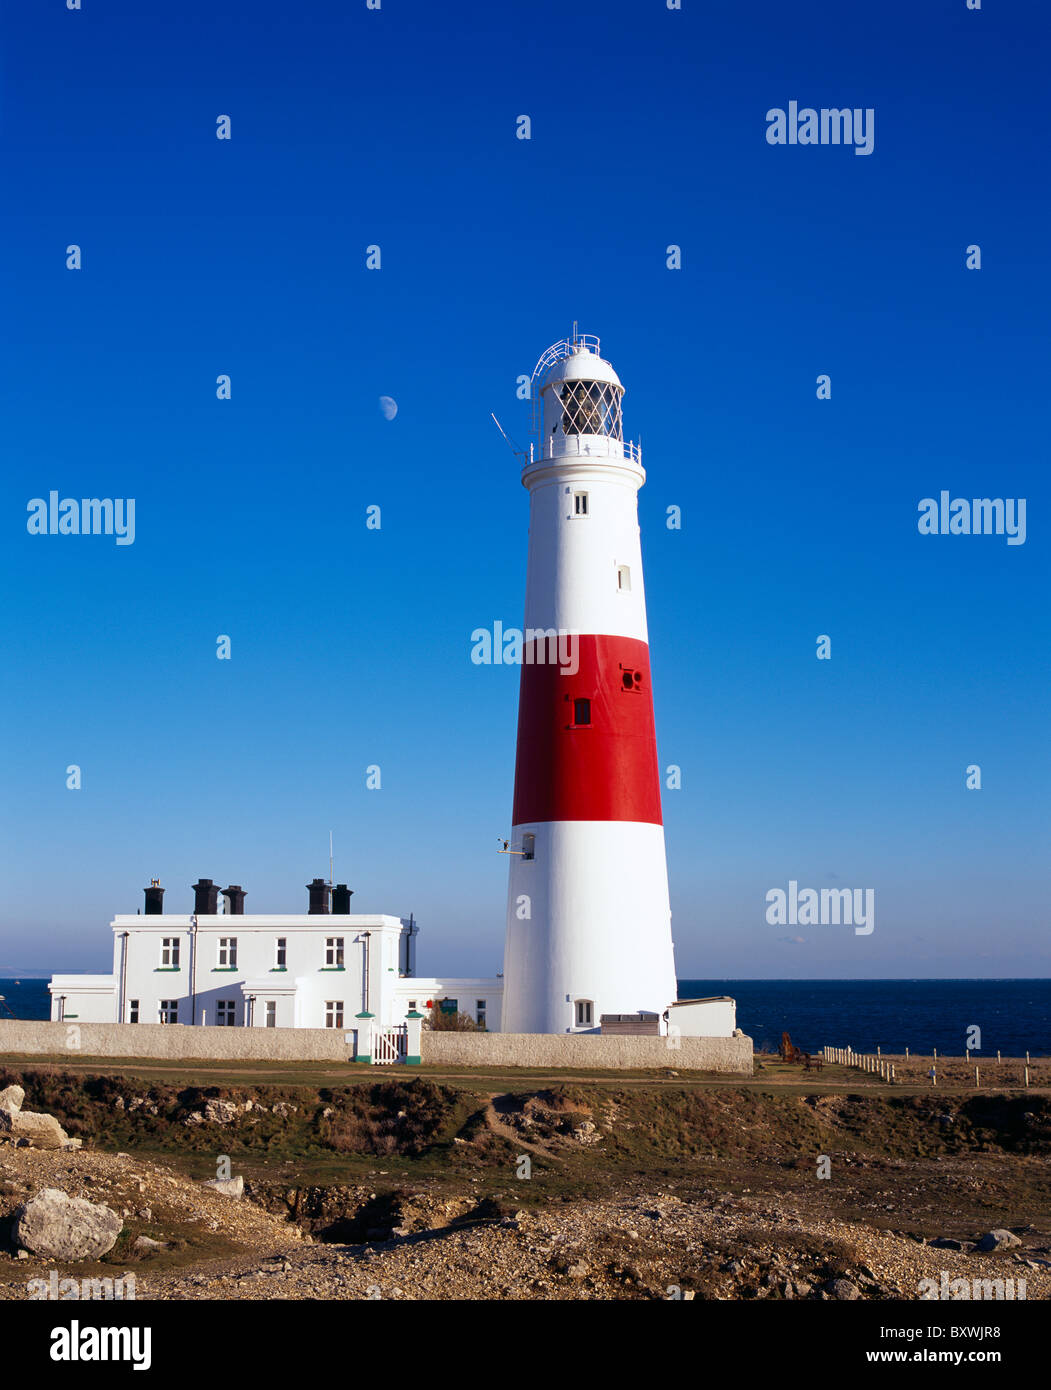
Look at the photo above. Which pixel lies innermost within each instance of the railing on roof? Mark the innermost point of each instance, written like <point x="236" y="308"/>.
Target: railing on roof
<point x="566" y="348"/>
<point x="545" y="449"/>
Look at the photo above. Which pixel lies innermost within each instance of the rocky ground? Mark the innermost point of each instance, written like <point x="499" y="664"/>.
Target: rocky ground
<point x="627" y="1198"/>
<point x="654" y="1246"/>
<point x="644" y="1245"/>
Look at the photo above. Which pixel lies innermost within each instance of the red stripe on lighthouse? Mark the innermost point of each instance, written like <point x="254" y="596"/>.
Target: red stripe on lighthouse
<point x="604" y="770"/>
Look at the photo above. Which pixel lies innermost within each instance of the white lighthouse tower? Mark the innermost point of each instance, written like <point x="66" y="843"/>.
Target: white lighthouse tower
<point x="588" y="920"/>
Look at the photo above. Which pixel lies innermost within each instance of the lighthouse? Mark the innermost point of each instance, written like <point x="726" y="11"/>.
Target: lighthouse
<point x="588" y="918"/>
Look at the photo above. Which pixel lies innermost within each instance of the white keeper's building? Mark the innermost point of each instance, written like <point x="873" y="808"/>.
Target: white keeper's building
<point x="328" y="968"/>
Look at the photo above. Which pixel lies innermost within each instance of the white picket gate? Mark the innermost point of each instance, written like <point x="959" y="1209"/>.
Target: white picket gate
<point x="389" y="1044"/>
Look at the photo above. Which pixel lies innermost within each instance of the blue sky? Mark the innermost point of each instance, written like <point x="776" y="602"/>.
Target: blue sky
<point x="349" y="646"/>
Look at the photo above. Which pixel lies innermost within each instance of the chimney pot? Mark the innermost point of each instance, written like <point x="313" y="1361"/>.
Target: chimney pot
<point x="206" y="898"/>
<point x="319" y="892"/>
<point x="235" y="900"/>
<point x="154" y="899"/>
<point x="341" y="896"/>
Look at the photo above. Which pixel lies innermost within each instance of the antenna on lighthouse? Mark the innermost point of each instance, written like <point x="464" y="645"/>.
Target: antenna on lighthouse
<point x="518" y="453"/>
<point x="331" y="880"/>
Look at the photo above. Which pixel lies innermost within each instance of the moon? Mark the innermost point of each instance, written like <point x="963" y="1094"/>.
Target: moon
<point x="388" y="407"/>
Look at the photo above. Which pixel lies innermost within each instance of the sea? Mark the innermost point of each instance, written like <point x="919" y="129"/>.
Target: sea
<point x="1014" y="1016"/>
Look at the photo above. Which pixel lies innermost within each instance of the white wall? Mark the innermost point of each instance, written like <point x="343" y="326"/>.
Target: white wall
<point x="20" y="1040"/>
<point x="704" y="1018"/>
<point x="83" y="998"/>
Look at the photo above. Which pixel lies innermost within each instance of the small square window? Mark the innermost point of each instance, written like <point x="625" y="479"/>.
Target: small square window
<point x="584" y="1013"/>
<point x="581" y="712"/>
<point x="333" y="951"/>
<point x="226" y="1012"/>
<point x="168" y="1011"/>
<point x="133" y="1011"/>
<point x="334" y="1013"/>
<point x="227" y="952"/>
<point x="580" y="504"/>
<point x="169" y="953"/>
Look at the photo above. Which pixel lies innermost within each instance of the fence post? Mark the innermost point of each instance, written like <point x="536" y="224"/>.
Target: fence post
<point x="364" y="1036"/>
<point x="413" y="1039"/>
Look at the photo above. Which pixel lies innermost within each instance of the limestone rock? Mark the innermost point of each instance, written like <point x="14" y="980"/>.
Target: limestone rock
<point x="843" y="1289"/>
<point x="220" y="1112"/>
<point x="41" y="1131"/>
<point x="65" y="1228"/>
<point x="997" y="1240"/>
<point x="148" y="1244"/>
<point x="228" y="1187"/>
<point x="11" y="1098"/>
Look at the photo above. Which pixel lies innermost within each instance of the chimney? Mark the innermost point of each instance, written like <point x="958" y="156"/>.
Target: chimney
<point x="154" y="898"/>
<point x="319" y="891"/>
<point x="235" y="900"/>
<point x="341" y="896"/>
<point x="205" y="898"/>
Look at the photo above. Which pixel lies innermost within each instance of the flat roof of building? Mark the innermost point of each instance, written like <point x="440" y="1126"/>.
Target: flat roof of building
<point x="209" y="921"/>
